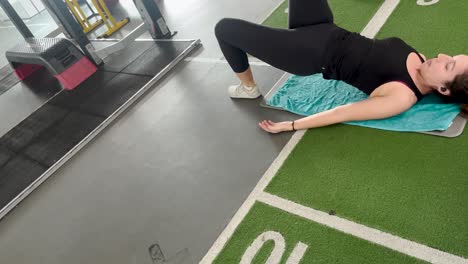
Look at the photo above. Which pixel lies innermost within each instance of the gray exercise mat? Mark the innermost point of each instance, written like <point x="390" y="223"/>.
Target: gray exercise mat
<point x="455" y="129"/>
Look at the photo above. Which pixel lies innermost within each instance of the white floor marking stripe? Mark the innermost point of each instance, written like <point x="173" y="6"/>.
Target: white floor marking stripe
<point x="244" y="209"/>
<point x="370" y="31"/>
<point x="271" y="13"/>
<point x="29" y="25"/>
<point x="379" y="19"/>
<point x="212" y="60"/>
<point x="370" y="234"/>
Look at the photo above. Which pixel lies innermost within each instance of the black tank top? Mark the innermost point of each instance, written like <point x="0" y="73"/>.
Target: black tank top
<point x="367" y="63"/>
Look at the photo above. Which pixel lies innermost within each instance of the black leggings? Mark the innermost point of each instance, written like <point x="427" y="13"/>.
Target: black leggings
<point x="297" y="50"/>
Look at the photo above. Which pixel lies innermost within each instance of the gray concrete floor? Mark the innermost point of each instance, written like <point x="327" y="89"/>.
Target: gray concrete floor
<point x="24" y="98"/>
<point x="172" y="170"/>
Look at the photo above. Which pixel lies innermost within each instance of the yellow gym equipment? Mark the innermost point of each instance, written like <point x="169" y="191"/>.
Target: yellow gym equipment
<point x="104" y="14"/>
<point x="81" y="17"/>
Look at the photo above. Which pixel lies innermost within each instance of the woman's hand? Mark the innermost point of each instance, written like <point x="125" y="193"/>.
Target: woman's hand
<point x="272" y="127"/>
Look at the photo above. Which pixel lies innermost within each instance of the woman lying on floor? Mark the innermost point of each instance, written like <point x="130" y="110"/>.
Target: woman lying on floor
<point x="392" y="73"/>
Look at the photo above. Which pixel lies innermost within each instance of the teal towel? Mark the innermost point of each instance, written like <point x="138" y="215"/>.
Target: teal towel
<point x="313" y="94"/>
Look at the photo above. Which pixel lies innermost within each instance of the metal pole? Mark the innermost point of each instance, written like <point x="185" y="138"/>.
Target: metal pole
<point x="153" y="19"/>
<point x="71" y="27"/>
<point x="16" y="19"/>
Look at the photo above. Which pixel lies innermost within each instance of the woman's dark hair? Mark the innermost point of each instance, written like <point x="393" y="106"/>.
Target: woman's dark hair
<point x="464" y="108"/>
<point x="458" y="91"/>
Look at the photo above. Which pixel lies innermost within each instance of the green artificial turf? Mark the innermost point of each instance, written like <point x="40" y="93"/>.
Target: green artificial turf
<point x="434" y="29"/>
<point x="350" y="14"/>
<point x="409" y="184"/>
<point x="325" y="245"/>
<point x="412" y="185"/>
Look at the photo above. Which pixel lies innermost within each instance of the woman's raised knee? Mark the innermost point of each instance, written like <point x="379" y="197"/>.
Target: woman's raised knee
<point x="225" y="26"/>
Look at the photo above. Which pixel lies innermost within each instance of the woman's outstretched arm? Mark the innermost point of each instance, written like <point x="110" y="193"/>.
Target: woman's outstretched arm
<point x="377" y="107"/>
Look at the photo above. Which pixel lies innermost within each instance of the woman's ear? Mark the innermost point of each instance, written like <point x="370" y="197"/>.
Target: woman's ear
<point x="443" y="91"/>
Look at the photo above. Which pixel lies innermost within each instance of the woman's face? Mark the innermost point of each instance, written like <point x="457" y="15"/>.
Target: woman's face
<point x="442" y="69"/>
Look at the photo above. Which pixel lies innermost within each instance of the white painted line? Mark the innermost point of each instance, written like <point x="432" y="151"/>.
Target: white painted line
<point x="370" y="234"/>
<point x="277" y="85"/>
<point x="271" y="12"/>
<point x="212" y="60"/>
<point x="29" y="25"/>
<point x="228" y="231"/>
<point x="379" y="19"/>
<point x="244" y="209"/>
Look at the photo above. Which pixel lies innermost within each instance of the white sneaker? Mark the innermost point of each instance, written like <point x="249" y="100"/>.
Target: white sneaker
<point x="241" y="91"/>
